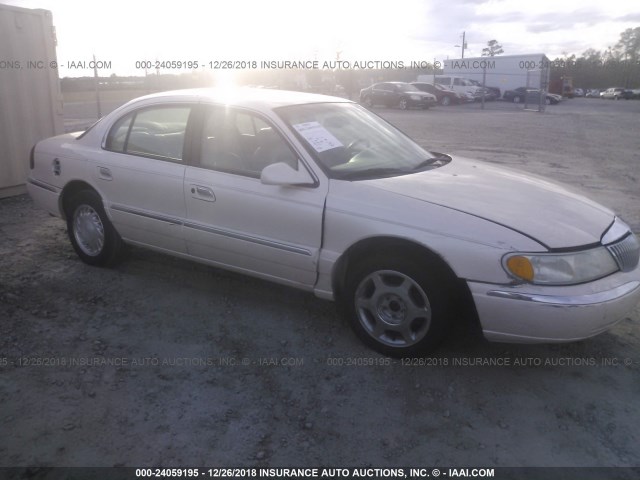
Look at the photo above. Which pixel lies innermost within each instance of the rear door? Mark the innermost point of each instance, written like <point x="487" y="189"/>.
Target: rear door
<point x="140" y="174"/>
<point x="235" y="221"/>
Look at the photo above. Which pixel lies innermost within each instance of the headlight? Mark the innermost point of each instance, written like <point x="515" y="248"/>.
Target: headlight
<point x="560" y="268"/>
<point x="415" y="97"/>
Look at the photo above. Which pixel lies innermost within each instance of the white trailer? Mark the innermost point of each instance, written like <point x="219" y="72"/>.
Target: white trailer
<point x="506" y="72"/>
<point x="30" y="101"/>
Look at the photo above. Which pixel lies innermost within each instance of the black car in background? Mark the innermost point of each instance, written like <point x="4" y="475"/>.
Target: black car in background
<point x="519" y="95"/>
<point x="490" y="93"/>
<point x="444" y="96"/>
<point x="392" y="94"/>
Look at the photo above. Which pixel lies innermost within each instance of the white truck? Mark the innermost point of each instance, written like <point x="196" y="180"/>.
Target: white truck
<point x="462" y="86"/>
<point x="506" y="72"/>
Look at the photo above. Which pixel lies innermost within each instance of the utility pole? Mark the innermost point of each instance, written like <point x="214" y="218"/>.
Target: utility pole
<point x="463" y="44"/>
<point x="96" y="81"/>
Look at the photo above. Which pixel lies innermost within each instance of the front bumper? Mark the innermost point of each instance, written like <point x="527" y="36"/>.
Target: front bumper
<point x="533" y="314"/>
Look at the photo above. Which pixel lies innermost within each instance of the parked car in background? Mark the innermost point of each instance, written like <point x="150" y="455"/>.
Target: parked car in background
<point x="613" y="93"/>
<point x="396" y="94"/>
<point x="635" y="93"/>
<point x="320" y="194"/>
<point x="519" y="95"/>
<point x="593" y="93"/>
<point x="553" y="99"/>
<point x="578" y="92"/>
<point x="462" y="86"/>
<point x="443" y="95"/>
<point x="490" y="93"/>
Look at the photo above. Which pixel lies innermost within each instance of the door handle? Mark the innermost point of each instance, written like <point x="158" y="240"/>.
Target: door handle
<point x="202" y="193"/>
<point x="104" y="173"/>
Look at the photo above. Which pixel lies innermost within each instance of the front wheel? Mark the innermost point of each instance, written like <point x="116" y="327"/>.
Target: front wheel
<point x="92" y="235"/>
<point x="367" y="102"/>
<point x="404" y="104"/>
<point x="396" y="306"/>
<point x="516" y="99"/>
<point x="446" y="101"/>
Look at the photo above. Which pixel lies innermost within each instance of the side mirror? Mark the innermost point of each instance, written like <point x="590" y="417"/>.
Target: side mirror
<point x="282" y="174"/>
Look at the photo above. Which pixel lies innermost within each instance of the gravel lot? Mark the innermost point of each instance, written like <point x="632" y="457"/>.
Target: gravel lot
<point x="176" y="364"/>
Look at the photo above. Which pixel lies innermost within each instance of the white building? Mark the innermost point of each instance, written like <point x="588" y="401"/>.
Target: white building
<point x="505" y="72"/>
<point x="30" y="101"/>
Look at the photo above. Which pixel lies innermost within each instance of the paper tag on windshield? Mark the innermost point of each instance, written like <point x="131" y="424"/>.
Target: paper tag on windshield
<point x="319" y="137"/>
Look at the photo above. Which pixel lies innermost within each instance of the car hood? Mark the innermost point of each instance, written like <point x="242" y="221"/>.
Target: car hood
<point x="547" y="212"/>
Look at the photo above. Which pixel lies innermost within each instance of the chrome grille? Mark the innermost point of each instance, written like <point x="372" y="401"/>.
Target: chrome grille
<point x="626" y="252"/>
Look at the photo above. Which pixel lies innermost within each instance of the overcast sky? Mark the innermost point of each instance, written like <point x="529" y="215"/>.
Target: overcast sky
<point x="122" y="31"/>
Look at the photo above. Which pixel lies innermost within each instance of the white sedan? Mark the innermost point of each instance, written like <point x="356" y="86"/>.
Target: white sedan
<point x="320" y="194"/>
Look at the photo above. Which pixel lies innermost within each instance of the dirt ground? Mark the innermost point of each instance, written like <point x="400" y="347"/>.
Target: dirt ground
<point x="161" y="362"/>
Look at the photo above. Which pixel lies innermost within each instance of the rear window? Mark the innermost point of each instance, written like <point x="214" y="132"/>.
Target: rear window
<point x="89" y="128"/>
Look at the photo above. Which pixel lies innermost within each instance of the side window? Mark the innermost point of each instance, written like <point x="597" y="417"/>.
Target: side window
<point x="242" y="143"/>
<point x="157" y="132"/>
<point x="443" y="80"/>
<point x="117" y="137"/>
<point x="456" y="81"/>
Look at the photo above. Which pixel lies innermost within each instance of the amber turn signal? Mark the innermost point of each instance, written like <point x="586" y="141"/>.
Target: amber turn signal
<point x="521" y="267"/>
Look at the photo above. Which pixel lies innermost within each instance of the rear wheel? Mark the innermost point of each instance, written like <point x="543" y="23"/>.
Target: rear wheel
<point x="446" y="101"/>
<point x="397" y="306"/>
<point x="367" y="102"/>
<point x="92" y="235"/>
<point x="516" y="99"/>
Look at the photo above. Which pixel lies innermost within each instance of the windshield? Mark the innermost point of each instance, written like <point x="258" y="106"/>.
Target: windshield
<point x="349" y="142"/>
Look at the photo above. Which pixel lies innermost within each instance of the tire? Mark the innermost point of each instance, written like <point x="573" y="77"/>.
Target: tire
<point x="397" y="306"/>
<point x="92" y="235"/>
<point x="445" y="101"/>
<point x="516" y="99"/>
<point x="547" y="101"/>
<point x="404" y="104"/>
<point x="367" y="102"/>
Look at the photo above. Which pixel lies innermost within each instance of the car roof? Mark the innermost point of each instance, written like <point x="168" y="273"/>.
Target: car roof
<point x="257" y="98"/>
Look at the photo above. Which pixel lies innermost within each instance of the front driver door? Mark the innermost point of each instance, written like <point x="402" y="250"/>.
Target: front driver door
<point x="234" y="220"/>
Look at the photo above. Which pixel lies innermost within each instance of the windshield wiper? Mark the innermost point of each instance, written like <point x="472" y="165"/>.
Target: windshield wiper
<point x="372" y="172"/>
<point x="430" y="161"/>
